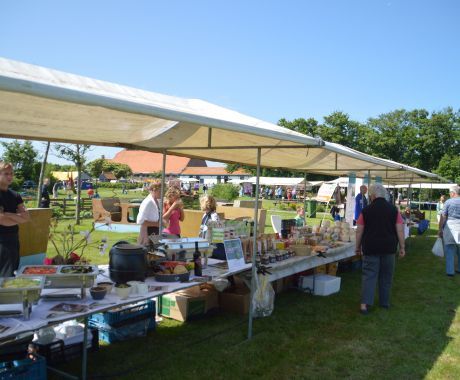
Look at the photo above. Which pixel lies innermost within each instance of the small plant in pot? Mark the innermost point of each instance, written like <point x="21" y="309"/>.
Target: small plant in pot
<point x="70" y="244"/>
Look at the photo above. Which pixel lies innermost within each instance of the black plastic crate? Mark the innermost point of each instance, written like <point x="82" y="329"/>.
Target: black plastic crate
<point x="57" y="352"/>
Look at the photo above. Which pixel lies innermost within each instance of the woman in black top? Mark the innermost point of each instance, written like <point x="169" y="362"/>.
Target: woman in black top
<point x="12" y="213"/>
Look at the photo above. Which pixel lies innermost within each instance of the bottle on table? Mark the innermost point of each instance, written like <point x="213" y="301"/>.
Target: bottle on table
<point x="197" y="261"/>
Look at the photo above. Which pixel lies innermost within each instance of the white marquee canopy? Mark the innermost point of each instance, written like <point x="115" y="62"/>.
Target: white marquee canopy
<point x="42" y="104"/>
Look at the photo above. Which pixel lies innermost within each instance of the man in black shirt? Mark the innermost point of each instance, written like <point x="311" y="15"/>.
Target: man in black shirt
<point x="12" y="213"/>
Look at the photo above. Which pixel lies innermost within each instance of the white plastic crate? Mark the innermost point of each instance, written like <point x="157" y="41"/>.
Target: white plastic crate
<point x="324" y="284"/>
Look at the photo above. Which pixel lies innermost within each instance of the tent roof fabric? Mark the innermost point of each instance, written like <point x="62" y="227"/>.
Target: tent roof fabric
<point x="42" y="104"/>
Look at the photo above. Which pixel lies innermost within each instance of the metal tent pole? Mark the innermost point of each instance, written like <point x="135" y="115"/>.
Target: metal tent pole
<point x="254" y="245"/>
<point x="305" y="200"/>
<point x="420" y="197"/>
<point x="163" y="176"/>
<point x="431" y="197"/>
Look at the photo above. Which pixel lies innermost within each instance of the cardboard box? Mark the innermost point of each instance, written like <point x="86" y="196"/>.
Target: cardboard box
<point x="321" y="269"/>
<point x="207" y="291"/>
<point x="332" y="269"/>
<point x="235" y="300"/>
<point x="182" y="307"/>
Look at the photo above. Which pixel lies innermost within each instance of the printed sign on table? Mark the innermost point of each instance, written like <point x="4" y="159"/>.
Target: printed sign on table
<point x="234" y="254"/>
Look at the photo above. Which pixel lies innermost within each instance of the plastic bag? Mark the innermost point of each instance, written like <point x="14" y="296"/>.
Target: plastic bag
<point x="438" y="248"/>
<point x="263" y="301"/>
<point x="220" y="284"/>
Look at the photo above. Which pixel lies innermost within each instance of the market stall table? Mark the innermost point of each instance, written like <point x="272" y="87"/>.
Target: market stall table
<point x="43" y="316"/>
<point x="299" y="264"/>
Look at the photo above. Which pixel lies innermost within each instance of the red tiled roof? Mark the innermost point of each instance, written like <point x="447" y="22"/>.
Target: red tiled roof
<point x="214" y="170"/>
<point x="148" y="162"/>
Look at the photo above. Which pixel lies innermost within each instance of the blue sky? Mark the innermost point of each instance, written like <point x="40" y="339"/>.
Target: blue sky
<point x="268" y="59"/>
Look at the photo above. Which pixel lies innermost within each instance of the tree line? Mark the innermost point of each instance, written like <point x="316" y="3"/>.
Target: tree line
<point x="428" y="141"/>
<point x="27" y="162"/>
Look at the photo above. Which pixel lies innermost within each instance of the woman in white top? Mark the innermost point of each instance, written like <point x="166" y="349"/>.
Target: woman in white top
<point x="440" y="206"/>
<point x="149" y="214"/>
<point x="208" y="205"/>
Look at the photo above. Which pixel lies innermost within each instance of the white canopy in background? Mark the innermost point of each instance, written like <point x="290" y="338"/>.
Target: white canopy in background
<point x="278" y="181"/>
<point x="41" y="104"/>
<point x="434" y="186"/>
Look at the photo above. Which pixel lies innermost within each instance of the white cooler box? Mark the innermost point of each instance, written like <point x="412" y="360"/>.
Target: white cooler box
<point x="324" y="284"/>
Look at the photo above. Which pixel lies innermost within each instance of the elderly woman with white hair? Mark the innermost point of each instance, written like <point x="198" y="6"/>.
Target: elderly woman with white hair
<point x="449" y="222"/>
<point x="380" y="228"/>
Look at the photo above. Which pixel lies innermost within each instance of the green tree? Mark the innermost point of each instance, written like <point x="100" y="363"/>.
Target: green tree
<point x="119" y="170"/>
<point x="100" y="165"/>
<point x="449" y="167"/>
<point x="23" y="156"/>
<point x="96" y="167"/>
<point x="308" y="126"/>
<point x="77" y="154"/>
<point x="338" y="128"/>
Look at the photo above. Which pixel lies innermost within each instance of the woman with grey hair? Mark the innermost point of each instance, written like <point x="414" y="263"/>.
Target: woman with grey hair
<point x="450" y="222"/>
<point x="380" y="228"/>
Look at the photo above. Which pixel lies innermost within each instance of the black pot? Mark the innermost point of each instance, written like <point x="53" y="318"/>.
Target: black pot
<point x="128" y="262"/>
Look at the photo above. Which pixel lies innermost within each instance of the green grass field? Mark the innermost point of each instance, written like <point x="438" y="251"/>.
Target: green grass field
<point x="310" y="337"/>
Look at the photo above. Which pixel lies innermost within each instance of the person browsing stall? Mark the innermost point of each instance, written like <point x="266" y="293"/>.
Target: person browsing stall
<point x="300" y="217"/>
<point x="440" y="207"/>
<point x="149" y="214"/>
<point x="12" y="213"/>
<point x="360" y="202"/>
<point x="380" y="229"/>
<point x="450" y="219"/>
<point x="208" y="205"/>
<point x="173" y="212"/>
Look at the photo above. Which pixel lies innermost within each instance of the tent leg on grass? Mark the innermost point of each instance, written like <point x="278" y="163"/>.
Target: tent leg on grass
<point x="163" y="175"/>
<point x="254" y="245"/>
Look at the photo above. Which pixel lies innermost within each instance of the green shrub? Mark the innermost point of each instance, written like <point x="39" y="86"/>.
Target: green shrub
<point x="57" y="212"/>
<point x="225" y="191"/>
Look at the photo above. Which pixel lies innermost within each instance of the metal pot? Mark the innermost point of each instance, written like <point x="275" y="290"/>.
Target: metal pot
<point x="128" y="262"/>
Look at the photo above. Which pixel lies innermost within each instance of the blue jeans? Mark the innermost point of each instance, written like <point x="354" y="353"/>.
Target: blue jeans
<point x="449" y="252"/>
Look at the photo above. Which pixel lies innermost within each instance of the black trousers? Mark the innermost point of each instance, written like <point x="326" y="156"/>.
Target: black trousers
<point x="9" y="254"/>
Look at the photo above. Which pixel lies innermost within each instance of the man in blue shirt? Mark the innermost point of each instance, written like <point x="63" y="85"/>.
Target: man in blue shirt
<point x="360" y="202"/>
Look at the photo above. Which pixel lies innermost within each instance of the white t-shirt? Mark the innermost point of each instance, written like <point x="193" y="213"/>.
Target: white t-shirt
<point x="148" y="211"/>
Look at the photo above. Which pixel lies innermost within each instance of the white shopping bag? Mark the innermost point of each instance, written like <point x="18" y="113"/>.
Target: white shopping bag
<point x="438" y="248"/>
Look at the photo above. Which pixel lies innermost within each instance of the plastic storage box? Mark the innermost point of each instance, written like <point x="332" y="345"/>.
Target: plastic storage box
<point x="322" y="285"/>
<point x="26" y="369"/>
<point x="138" y="311"/>
<point x="128" y="330"/>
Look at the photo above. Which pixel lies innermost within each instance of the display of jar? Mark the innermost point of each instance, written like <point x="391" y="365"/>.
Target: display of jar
<point x="265" y="260"/>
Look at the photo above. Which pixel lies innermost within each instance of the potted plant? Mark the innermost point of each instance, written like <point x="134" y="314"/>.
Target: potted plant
<point x="70" y="245"/>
